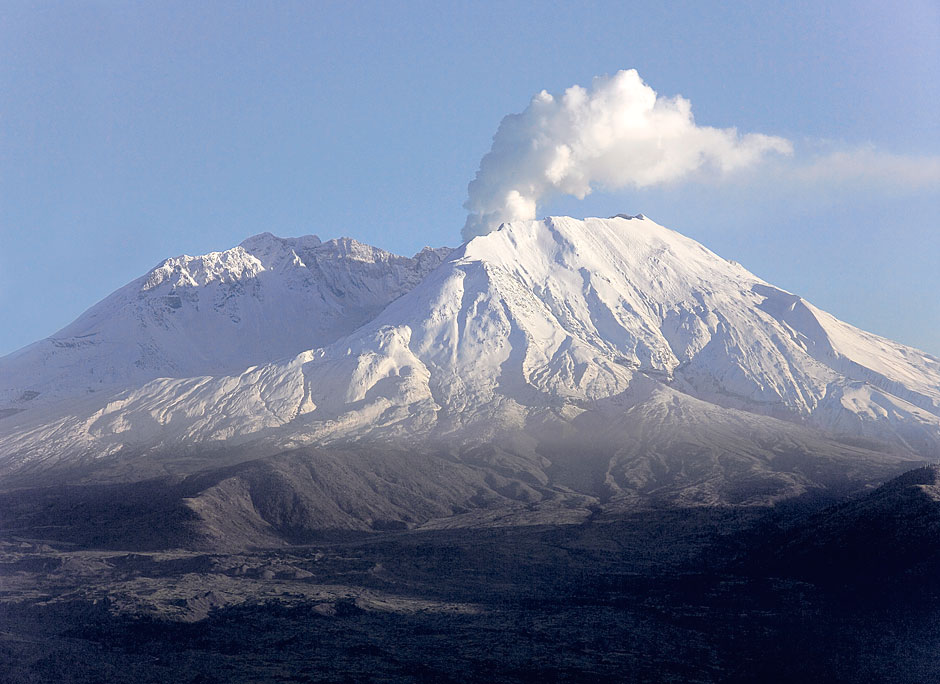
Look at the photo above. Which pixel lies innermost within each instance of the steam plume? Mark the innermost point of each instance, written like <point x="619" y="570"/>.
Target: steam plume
<point x="617" y="134"/>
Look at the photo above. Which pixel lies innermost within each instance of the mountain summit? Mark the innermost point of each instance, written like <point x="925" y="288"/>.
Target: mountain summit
<point x="214" y="314"/>
<point x="613" y="357"/>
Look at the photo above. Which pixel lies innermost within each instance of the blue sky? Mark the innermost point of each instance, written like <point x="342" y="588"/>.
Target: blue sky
<point x="130" y="132"/>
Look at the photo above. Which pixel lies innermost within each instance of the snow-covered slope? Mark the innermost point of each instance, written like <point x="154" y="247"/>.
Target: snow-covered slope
<point x="218" y="313"/>
<point x="538" y="327"/>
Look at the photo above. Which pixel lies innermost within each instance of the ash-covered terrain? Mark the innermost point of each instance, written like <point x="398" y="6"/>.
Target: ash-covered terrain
<point x="677" y="595"/>
<point x="565" y="450"/>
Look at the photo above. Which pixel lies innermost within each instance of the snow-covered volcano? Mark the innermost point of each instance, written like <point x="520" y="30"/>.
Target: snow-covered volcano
<point x="617" y="333"/>
<point x="218" y="313"/>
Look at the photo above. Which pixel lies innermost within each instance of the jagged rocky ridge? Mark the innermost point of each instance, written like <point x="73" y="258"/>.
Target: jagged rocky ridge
<point x="214" y="314"/>
<point x="611" y="359"/>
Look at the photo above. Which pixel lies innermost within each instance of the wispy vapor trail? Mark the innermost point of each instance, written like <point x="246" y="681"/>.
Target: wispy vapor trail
<point x="619" y="133"/>
<point x="866" y="165"/>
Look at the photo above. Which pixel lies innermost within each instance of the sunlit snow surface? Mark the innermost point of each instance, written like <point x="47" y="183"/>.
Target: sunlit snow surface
<point x="287" y="342"/>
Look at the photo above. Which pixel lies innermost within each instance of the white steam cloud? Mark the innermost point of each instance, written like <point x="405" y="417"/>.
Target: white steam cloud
<point x="617" y="134"/>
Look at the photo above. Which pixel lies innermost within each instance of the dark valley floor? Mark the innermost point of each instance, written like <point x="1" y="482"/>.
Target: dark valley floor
<point x="674" y="595"/>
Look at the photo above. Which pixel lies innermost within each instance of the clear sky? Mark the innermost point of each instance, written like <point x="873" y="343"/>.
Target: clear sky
<point x="130" y="132"/>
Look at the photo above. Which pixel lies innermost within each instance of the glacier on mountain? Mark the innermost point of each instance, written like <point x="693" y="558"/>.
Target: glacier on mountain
<point x="280" y="343"/>
<point x="214" y="314"/>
